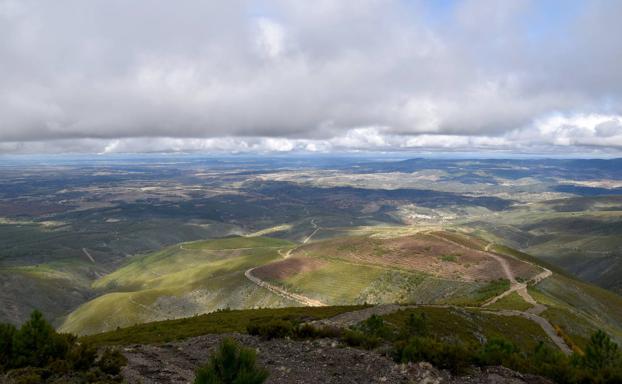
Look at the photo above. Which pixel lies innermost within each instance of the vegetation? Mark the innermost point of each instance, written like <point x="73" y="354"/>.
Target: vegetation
<point x="179" y="282"/>
<point x="224" y="321"/>
<point x="231" y="364"/>
<point x="36" y="353"/>
<point x="512" y="301"/>
<point x="417" y="338"/>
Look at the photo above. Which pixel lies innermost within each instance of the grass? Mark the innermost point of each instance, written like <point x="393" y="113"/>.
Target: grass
<point x="591" y="307"/>
<point x="482" y="294"/>
<point x="339" y="282"/>
<point x="226" y="321"/>
<point x="236" y="242"/>
<point x="512" y="301"/>
<point x="473" y="326"/>
<point x="178" y="282"/>
<point x="335" y="283"/>
<point x="503" y="250"/>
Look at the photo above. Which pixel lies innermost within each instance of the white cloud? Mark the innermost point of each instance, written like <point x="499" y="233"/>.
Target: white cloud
<point x="270" y="38"/>
<point x="284" y="76"/>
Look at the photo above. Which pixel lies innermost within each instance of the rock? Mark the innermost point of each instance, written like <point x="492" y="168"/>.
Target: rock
<point x="291" y="361"/>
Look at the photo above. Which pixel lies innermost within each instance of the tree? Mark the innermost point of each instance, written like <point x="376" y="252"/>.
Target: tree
<point x="36" y="343"/>
<point x="601" y="352"/>
<point x="231" y="364"/>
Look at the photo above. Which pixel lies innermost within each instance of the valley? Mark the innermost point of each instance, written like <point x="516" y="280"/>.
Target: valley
<point x="127" y="242"/>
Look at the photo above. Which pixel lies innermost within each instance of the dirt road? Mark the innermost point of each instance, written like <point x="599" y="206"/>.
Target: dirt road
<point x="282" y="292"/>
<point x="532" y="313"/>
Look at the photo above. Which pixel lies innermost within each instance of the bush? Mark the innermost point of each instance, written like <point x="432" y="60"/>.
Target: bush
<point x="375" y="326"/>
<point x="231" y="364"/>
<point x="81" y="356"/>
<point x="455" y="357"/>
<point x="499" y="352"/>
<point x="273" y="329"/>
<point x="111" y="361"/>
<point x="355" y="338"/>
<point x="416" y="325"/>
<point x="308" y="331"/>
<point x="551" y="363"/>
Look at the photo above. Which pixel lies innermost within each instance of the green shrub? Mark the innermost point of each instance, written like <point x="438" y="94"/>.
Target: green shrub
<point x="82" y="356"/>
<point x="551" y="363"/>
<point x="273" y="329"/>
<point x="375" y="326"/>
<point x="416" y="325"/>
<point x="455" y="357"/>
<point x="308" y="331"/>
<point x="111" y="361"/>
<point x="231" y="364"/>
<point x="498" y="352"/>
<point x="356" y="338"/>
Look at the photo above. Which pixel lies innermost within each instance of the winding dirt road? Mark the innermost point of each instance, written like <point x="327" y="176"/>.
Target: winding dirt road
<point x="532" y="313"/>
<point x="350" y="318"/>
<point x="306" y="301"/>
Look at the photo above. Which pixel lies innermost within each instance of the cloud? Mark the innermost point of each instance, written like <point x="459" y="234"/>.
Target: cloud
<point x="284" y="76"/>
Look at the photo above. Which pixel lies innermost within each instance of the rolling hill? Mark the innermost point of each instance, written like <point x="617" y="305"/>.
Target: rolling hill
<point x="433" y="268"/>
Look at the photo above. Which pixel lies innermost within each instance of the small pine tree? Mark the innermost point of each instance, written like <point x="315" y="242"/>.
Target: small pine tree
<point x="36" y="343"/>
<point x="231" y="364"/>
<point x="601" y="352"/>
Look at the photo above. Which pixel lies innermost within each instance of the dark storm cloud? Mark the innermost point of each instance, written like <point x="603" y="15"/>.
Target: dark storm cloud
<point x="279" y="75"/>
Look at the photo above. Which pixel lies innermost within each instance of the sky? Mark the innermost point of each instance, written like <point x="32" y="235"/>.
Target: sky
<point x="322" y="76"/>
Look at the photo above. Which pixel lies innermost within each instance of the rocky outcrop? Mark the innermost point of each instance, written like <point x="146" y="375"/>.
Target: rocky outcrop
<point x="317" y="361"/>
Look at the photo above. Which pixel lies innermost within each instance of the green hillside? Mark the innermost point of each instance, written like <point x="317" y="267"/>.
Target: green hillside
<point x="441" y="268"/>
<point x="179" y="281"/>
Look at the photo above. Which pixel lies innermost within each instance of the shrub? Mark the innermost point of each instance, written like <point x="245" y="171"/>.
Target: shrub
<point x="375" y="326"/>
<point x="111" y="361"/>
<point x="498" y="352"/>
<point x="308" y="331"/>
<point x="455" y="357"/>
<point x="81" y="356"/>
<point x="231" y="364"/>
<point x="272" y="329"/>
<point x="355" y="338"/>
<point x="416" y="325"/>
<point x="551" y="363"/>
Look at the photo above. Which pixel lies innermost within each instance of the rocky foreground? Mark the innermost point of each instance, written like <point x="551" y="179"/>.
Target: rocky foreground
<point x="317" y="361"/>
